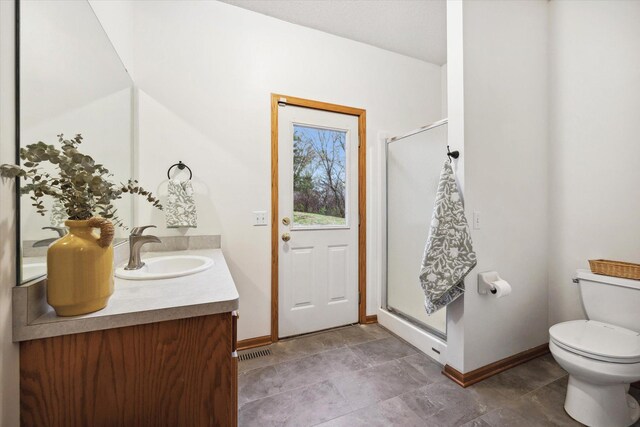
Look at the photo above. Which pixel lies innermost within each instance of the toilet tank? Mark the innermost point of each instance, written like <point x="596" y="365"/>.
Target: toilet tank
<point x="610" y="299"/>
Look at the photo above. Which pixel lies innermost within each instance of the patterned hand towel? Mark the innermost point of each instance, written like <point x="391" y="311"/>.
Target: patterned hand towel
<point x="180" y="210"/>
<point x="58" y="214"/>
<point x="448" y="254"/>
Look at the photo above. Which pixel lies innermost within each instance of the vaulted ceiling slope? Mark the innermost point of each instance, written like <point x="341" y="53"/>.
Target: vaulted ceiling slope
<point x="415" y="28"/>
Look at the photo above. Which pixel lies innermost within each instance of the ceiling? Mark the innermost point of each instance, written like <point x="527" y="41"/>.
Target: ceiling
<point x="415" y="28"/>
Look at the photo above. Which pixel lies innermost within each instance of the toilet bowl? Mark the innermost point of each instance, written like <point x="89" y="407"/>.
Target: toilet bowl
<point x="601" y="357"/>
<point x="599" y="372"/>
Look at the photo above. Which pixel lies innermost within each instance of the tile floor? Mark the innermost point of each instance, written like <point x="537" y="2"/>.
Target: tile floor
<point x="362" y="375"/>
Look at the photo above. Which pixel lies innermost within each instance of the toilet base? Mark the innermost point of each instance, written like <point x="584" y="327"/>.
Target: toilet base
<point x="598" y="405"/>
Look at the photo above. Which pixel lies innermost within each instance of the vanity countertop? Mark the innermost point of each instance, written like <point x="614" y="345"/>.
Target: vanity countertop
<point x="132" y="303"/>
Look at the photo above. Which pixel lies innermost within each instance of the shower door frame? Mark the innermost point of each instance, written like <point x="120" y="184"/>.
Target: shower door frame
<point x="410" y="319"/>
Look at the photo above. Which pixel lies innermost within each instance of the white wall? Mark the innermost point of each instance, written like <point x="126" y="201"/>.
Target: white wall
<point x="116" y="18"/>
<point x="443" y="101"/>
<point x="9" y="363"/>
<point x="505" y="175"/>
<point x="550" y="158"/>
<point x="206" y="71"/>
<point x="595" y="142"/>
<point x="455" y="138"/>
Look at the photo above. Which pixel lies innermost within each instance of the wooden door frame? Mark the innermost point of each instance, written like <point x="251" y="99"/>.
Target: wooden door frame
<point x="362" y="199"/>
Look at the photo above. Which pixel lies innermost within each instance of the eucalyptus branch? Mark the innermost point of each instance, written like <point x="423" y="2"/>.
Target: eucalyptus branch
<point x="81" y="185"/>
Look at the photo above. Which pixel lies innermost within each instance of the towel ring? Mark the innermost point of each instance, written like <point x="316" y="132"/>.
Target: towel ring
<point x="180" y="166"/>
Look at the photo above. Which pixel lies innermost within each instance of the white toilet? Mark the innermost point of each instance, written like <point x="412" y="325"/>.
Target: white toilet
<point x="602" y="354"/>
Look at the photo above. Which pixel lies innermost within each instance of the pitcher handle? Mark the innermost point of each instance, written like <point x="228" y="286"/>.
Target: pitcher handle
<point x="107" y="230"/>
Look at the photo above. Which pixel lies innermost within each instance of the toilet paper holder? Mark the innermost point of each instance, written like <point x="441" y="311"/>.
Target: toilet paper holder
<point x="485" y="281"/>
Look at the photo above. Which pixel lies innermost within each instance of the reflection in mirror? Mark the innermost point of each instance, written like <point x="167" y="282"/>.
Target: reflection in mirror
<point x="71" y="82"/>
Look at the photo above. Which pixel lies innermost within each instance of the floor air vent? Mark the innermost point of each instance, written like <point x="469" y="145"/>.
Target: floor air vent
<point x="254" y="354"/>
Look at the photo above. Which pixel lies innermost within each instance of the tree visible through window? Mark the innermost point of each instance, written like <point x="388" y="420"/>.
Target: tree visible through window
<point x="319" y="176"/>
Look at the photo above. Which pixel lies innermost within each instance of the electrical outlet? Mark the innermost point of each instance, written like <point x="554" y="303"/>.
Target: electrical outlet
<point x="476" y="220"/>
<point x="259" y="218"/>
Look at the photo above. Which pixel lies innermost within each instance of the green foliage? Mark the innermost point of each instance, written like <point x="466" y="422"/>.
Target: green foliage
<point x="81" y="185"/>
<point x="306" y="218"/>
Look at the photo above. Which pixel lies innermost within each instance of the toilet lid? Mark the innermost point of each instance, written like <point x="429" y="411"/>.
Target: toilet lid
<point x="598" y="340"/>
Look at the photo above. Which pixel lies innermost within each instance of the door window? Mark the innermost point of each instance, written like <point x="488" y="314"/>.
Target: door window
<point x="319" y="177"/>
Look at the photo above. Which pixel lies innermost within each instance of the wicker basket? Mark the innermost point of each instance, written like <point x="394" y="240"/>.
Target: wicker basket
<point x="625" y="270"/>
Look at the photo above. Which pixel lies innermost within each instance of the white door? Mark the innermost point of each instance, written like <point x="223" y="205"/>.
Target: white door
<point x="318" y="224"/>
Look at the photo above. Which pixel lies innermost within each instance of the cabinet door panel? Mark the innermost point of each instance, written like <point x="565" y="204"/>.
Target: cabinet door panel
<point x="178" y="372"/>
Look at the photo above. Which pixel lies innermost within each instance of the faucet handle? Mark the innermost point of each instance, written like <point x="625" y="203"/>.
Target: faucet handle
<point x="62" y="231"/>
<point x="137" y="231"/>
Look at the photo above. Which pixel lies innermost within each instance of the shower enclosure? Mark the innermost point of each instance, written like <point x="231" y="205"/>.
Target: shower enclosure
<point x="413" y="165"/>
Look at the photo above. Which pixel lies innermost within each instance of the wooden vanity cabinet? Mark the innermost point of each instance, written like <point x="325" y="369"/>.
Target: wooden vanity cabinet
<point x="173" y="373"/>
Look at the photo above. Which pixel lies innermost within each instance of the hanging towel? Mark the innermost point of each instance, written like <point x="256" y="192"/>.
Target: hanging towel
<point x="180" y="210"/>
<point x="448" y="254"/>
<point x="58" y="214"/>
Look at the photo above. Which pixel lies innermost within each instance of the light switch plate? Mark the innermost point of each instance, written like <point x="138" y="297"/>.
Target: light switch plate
<point x="259" y="218"/>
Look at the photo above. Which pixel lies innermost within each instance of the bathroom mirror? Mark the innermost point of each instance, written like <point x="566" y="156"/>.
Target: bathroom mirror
<point x="70" y="81"/>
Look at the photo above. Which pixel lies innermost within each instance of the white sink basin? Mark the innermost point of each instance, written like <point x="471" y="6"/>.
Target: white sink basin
<point x="31" y="271"/>
<point x="166" y="267"/>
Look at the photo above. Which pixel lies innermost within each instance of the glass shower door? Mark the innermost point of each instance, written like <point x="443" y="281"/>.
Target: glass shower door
<point x="413" y="169"/>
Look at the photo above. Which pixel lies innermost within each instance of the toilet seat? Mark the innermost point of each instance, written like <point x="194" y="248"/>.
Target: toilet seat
<point x="597" y="340"/>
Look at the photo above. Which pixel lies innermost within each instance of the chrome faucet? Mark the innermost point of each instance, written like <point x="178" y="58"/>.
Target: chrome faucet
<point x="62" y="231"/>
<point x="136" y="240"/>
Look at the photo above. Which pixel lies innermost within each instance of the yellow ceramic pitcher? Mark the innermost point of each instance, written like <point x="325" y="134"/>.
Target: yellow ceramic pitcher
<point x="80" y="268"/>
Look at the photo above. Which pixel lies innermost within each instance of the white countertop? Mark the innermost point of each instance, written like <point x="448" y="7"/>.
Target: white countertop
<point x="133" y="302"/>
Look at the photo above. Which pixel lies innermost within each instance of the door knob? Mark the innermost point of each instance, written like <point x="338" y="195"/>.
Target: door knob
<point x="286" y="237"/>
<point x="286" y="221"/>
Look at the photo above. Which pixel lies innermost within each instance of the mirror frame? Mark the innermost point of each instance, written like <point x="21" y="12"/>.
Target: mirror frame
<point x="17" y="143"/>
